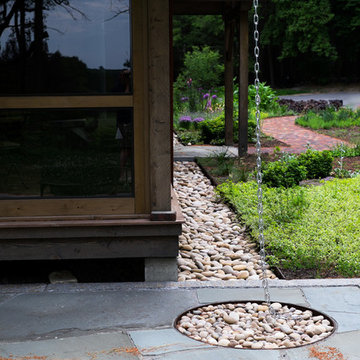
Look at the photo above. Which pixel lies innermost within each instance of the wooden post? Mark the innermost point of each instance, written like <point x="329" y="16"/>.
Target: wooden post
<point x="228" y="77"/>
<point x="171" y="75"/>
<point x="243" y="83"/>
<point x="159" y="105"/>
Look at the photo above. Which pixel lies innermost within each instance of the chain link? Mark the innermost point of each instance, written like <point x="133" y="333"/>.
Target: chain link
<point x="265" y="283"/>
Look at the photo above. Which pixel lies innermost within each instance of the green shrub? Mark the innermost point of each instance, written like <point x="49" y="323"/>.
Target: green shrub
<point x="201" y="72"/>
<point x="224" y="168"/>
<point x="213" y="130"/>
<point x="268" y="103"/>
<point x="239" y="173"/>
<point x="346" y="151"/>
<point x="203" y="66"/>
<point x="291" y="169"/>
<point x="189" y="136"/>
<point x="286" y="172"/>
<point x="267" y="95"/>
<point x="318" y="164"/>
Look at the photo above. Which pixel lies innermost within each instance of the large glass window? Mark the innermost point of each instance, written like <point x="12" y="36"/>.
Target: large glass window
<point x="65" y="47"/>
<point x="66" y="153"/>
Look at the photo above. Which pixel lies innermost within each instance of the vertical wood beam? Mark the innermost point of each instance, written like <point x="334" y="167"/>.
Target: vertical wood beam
<point x="228" y="77"/>
<point x="171" y="75"/>
<point x="243" y="83"/>
<point x="139" y="10"/>
<point x="159" y="105"/>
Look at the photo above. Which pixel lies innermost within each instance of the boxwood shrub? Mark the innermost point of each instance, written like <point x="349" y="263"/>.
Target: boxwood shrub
<point x="318" y="164"/>
<point x="291" y="169"/>
<point x="212" y="131"/>
<point x="284" y="173"/>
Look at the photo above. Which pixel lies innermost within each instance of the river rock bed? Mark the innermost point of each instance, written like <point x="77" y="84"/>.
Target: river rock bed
<point x="249" y="325"/>
<point x="213" y="246"/>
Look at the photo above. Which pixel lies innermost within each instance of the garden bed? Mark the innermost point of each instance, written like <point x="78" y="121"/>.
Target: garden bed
<point x="343" y="124"/>
<point x="291" y="268"/>
<point x="350" y="134"/>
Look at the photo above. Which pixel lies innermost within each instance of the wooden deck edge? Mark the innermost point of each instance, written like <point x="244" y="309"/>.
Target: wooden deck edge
<point x="93" y="220"/>
<point x="175" y="206"/>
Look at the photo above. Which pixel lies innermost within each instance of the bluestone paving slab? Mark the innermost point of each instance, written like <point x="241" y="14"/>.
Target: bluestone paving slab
<point x="6" y="297"/>
<point x="292" y="296"/>
<point x="345" y="321"/>
<point x="218" y="353"/>
<point x="346" y="344"/>
<point x="33" y="315"/>
<point x="341" y="303"/>
<point x="345" y="299"/>
<point x="161" y="341"/>
<point x="103" y="346"/>
<point x="92" y="323"/>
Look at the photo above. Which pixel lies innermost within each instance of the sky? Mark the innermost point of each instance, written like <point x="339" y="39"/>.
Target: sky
<point x="95" y="40"/>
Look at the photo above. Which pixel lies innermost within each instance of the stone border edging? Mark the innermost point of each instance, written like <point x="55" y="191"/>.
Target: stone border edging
<point x="189" y="285"/>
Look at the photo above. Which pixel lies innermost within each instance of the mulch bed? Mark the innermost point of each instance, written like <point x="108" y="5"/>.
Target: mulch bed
<point x="270" y="143"/>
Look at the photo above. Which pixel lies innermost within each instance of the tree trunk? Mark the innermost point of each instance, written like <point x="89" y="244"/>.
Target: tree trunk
<point x="243" y="83"/>
<point x="39" y="51"/>
<point x="229" y="74"/>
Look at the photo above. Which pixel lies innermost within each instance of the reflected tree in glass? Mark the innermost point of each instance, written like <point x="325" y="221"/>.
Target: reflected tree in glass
<point x="63" y="46"/>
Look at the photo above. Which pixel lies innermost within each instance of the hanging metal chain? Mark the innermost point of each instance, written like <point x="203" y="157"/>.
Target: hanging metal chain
<point x="265" y="282"/>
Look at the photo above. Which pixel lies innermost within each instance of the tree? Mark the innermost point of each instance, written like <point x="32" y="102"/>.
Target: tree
<point x="345" y="32"/>
<point x="300" y="27"/>
<point x="297" y="41"/>
<point x="24" y="57"/>
<point x="203" y="67"/>
<point x="196" y="30"/>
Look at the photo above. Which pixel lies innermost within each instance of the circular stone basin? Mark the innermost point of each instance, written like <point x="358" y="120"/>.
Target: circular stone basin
<point x="249" y="325"/>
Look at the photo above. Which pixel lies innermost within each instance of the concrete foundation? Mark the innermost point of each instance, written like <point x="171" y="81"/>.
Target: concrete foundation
<point x="161" y="269"/>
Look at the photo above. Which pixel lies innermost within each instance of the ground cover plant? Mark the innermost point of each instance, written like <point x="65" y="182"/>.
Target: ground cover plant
<point x="343" y="118"/>
<point x="315" y="228"/>
<point x="342" y="124"/>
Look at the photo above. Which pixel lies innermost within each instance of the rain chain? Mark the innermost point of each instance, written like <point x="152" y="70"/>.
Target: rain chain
<point x="265" y="282"/>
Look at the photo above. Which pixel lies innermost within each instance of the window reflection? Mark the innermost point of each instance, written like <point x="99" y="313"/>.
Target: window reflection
<point x="62" y="153"/>
<point x="64" y="46"/>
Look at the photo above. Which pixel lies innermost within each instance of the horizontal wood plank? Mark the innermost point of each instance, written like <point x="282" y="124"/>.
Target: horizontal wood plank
<point x="58" y="102"/>
<point x="207" y="7"/>
<point x="71" y="218"/>
<point x="78" y="206"/>
<point x="166" y="246"/>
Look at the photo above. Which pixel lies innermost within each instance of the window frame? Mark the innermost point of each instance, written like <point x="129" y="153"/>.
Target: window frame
<point x="138" y="101"/>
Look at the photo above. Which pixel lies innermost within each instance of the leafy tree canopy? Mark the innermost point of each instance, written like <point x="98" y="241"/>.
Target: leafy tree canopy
<point x="300" y="27"/>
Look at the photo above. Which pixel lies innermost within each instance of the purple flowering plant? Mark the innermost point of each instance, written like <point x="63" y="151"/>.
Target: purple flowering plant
<point x="185" y="118"/>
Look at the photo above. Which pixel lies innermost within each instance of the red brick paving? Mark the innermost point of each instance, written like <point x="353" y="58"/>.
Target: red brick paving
<point x="298" y="137"/>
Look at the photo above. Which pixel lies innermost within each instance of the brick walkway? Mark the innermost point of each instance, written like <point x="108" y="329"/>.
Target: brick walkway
<point x="298" y="137"/>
